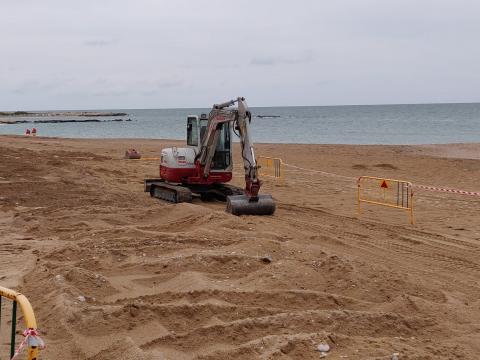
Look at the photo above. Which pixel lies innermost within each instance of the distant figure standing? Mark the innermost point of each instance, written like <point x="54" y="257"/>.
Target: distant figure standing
<point x="27" y="132"/>
<point x="34" y="132"/>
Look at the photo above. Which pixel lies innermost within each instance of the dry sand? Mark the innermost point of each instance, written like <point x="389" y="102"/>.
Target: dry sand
<point x="186" y="281"/>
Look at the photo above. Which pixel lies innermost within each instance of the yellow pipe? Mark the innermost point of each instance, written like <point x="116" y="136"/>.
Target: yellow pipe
<point x="28" y="315"/>
<point x="385" y="204"/>
<point x="25" y="306"/>
<point x="380" y="178"/>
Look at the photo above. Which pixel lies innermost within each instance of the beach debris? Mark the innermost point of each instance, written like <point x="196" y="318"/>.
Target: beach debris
<point x="324" y="348"/>
<point x="331" y="338"/>
<point x="132" y="154"/>
<point x="288" y="348"/>
<point x="266" y="259"/>
<point x="81" y="298"/>
<point x="395" y="356"/>
<point x="59" y="278"/>
<point x="134" y="309"/>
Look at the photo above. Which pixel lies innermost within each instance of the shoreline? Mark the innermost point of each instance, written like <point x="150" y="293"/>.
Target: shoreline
<point x="450" y="144"/>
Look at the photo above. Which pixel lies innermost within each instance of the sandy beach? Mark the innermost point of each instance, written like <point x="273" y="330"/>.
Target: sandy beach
<point x="114" y="274"/>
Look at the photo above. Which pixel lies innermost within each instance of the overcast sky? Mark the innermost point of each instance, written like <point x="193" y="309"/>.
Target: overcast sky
<point x="102" y="54"/>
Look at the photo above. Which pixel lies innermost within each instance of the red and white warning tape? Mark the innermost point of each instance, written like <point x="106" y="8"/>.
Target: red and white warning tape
<point x="424" y="187"/>
<point x="447" y="190"/>
<point x="32" y="339"/>
<point x="319" y="171"/>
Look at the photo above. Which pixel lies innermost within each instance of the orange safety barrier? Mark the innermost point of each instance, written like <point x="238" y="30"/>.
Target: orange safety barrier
<point x="392" y="193"/>
<point x="271" y="167"/>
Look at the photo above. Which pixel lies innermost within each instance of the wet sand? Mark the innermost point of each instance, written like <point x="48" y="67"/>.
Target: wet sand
<point x="187" y="281"/>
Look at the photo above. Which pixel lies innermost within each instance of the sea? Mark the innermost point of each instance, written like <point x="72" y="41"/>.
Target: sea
<point x="354" y="124"/>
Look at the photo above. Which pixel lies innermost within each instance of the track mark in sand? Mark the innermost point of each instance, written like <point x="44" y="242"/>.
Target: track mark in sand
<point x="440" y="250"/>
<point x="181" y="273"/>
<point x="208" y="263"/>
<point x="12" y="249"/>
<point x="286" y="300"/>
<point x="173" y="317"/>
<point x="238" y="332"/>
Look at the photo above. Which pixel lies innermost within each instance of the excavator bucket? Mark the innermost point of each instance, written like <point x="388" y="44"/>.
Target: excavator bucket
<point x="242" y="205"/>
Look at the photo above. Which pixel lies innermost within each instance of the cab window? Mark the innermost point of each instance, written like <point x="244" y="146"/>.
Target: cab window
<point x="192" y="131"/>
<point x="203" y="128"/>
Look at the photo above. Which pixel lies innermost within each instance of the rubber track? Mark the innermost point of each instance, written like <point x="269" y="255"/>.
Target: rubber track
<point x="171" y="193"/>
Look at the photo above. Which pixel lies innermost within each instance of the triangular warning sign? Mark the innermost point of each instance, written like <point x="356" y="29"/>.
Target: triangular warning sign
<point x="384" y="184"/>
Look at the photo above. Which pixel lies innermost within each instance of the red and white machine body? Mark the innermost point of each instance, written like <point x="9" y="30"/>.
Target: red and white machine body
<point x="182" y="165"/>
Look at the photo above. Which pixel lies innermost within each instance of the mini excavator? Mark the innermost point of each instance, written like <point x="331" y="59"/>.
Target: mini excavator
<point x="205" y="167"/>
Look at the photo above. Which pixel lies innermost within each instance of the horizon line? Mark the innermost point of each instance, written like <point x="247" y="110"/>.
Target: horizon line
<point x="263" y="106"/>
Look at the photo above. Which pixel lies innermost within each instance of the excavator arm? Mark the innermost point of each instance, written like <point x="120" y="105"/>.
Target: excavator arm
<point x="240" y="116"/>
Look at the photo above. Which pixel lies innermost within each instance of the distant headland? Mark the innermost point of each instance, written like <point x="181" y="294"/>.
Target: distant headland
<point x="24" y="117"/>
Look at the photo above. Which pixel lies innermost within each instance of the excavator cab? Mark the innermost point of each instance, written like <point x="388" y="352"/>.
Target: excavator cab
<point x="196" y="130"/>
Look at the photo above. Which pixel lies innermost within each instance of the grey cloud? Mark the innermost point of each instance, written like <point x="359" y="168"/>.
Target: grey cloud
<point x="99" y="43"/>
<point x="159" y="86"/>
<point x="169" y="83"/>
<point x="35" y="86"/>
<point x="282" y="60"/>
<point x="263" y="61"/>
<point x="188" y="53"/>
<point x="31" y="86"/>
<point x="112" y="92"/>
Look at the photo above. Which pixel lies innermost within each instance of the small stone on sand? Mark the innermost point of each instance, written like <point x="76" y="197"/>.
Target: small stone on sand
<point x="323" y="347"/>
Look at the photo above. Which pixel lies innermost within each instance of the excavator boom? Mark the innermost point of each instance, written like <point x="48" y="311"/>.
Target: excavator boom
<point x="250" y="203"/>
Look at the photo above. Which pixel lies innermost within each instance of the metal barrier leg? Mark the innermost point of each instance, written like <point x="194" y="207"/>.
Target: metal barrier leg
<point x="412" y="220"/>
<point x="14" y="329"/>
<point x="358" y="200"/>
